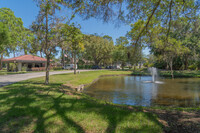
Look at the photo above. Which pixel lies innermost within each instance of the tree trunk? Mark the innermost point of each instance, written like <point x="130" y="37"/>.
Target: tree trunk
<point x="123" y="64"/>
<point x="46" y="50"/>
<point x="171" y="66"/>
<point x="63" y="58"/>
<point x="186" y="62"/>
<point x="140" y="65"/>
<point x="40" y="53"/>
<point x="134" y="67"/>
<point x="167" y="66"/>
<point x="47" y="70"/>
<point x="25" y="52"/>
<point x="122" y="67"/>
<point x="1" y="61"/>
<point x="75" y="62"/>
<point x="96" y="62"/>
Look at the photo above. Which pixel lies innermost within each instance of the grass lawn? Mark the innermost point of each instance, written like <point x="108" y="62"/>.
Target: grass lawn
<point x="4" y="72"/>
<point x="30" y="106"/>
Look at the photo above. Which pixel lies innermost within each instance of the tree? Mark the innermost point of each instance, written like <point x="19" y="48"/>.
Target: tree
<point x="135" y="50"/>
<point x="4" y="39"/>
<point x="74" y="38"/>
<point x="27" y="41"/>
<point x="188" y="33"/>
<point x="120" y="53"/>
<point x="98" y="49"/>
<point x="167" y="50"/>
<point x="109" y="38"/>
<point x="46" y="25"/>
<point x="12" y="27"/>
<point x="164" y="11"/>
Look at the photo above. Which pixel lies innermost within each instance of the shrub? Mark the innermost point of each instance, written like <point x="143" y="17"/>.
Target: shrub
<point x="57" y="68"/>
<point x="84" y="66"/>
<point x="146" y="64"/>
<point x="38" y="68"/>
<point x="12" y="67"/>
<point x="24" y="68"/>
<point x="193" y="67"/>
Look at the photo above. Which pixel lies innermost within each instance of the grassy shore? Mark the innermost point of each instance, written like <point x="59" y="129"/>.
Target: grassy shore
<point x="167" y="73"/>
<point x="31" y="106"/>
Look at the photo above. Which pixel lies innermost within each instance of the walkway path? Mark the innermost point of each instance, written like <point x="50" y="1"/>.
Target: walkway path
<point x="10" y="79"/>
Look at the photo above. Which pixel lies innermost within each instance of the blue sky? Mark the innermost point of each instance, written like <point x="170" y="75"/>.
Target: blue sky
<point x="27" y="10"/>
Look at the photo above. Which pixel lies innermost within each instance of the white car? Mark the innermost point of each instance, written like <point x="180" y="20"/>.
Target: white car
<point x="70" y="66"/>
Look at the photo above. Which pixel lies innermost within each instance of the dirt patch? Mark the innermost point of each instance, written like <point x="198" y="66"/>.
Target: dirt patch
<point x="178" y="121"/>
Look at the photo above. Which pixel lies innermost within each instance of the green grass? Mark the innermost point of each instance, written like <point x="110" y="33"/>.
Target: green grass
<point x="31" y="106"/>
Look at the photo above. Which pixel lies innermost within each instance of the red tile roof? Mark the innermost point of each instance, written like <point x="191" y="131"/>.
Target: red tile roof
<point x="25" y="58"/>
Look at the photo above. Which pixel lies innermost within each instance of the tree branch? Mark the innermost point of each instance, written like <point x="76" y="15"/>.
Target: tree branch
<point x="170" y="19"/>
<point x="148" y="20"/>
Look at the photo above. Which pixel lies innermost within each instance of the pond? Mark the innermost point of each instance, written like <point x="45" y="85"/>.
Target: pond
<point x="135" y="90"/>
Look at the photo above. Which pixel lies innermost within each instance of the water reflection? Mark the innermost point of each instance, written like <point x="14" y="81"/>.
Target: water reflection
<point x="132" y="90"/>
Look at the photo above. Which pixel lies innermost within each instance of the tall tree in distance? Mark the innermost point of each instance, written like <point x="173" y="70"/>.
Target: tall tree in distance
<point x="98" y="49"/>
<point x="120" y="53"/>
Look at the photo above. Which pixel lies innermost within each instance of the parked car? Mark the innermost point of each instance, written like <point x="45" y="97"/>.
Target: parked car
<point x="109" y="67"/>
<point x="116" y="67"/>
<point x="96" y="67"/>
<point x="70" y="66"/>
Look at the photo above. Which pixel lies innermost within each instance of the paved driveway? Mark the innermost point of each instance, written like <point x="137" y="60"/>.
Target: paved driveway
<point x="10" y="79"/>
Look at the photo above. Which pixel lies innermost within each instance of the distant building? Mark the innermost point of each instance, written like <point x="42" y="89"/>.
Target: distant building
<point x="30" y="62"/>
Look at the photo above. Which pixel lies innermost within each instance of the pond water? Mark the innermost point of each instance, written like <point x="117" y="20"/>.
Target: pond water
<point x="135" y="90"/>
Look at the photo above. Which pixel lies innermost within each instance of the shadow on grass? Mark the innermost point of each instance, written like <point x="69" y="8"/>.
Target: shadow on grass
<point x="30" y="106"/>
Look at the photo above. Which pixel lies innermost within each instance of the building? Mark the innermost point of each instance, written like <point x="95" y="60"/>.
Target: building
<point x="28" y="61"/>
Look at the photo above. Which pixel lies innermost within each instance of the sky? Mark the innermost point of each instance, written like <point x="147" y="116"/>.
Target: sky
<point x="28" y="11"/>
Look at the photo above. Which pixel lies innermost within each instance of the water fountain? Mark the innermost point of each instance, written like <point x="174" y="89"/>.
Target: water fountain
<point x="153" y="72"/>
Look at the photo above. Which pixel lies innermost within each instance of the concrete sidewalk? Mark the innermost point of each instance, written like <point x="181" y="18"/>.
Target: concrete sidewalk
<point x="10" y="79"/>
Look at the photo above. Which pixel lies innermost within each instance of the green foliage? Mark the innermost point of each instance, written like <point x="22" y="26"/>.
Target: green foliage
<point x="12" y="28"/>
<point x="27" y="41"/>
<point x="4" y="36"/>
<point x="74" y="37"/>
<point x="120" y="53"/>
<point x="98" y="49"/>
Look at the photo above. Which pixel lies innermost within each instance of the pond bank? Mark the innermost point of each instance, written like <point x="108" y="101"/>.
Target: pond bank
<point x="172" y="119"/>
